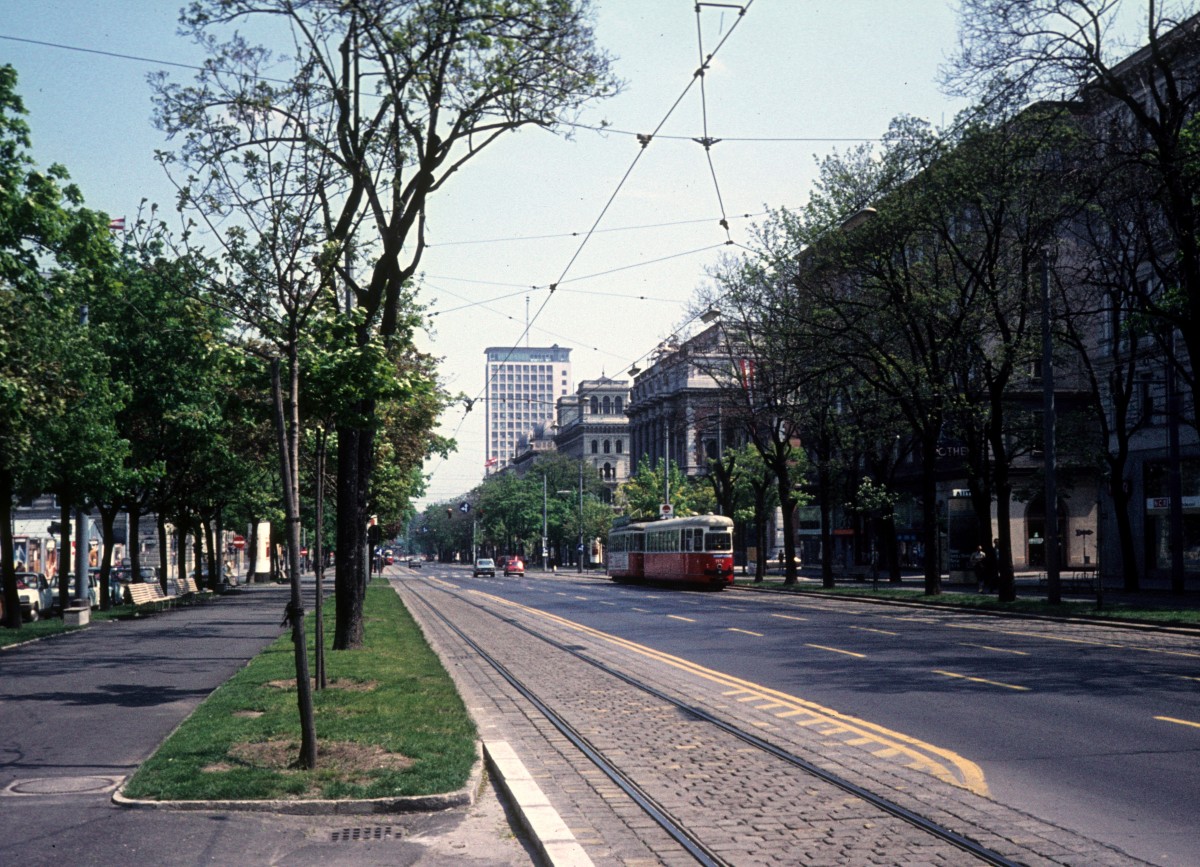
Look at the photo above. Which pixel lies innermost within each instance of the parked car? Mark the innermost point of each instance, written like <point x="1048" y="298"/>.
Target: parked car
<point x="36" y="594"/>
<point x="485" y="566"/>
<point x="93" y="589"/>
<point x="514" y="566"/>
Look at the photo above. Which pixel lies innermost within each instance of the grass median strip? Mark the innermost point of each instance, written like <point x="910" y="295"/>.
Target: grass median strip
<point x="390" y="724"/>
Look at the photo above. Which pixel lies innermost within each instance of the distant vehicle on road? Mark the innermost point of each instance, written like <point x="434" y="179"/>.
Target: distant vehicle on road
<point x="514" y="566"/>
<point x="389" y="557"/>
<point x="414" y="562"/>
<point x="485" y="566"/>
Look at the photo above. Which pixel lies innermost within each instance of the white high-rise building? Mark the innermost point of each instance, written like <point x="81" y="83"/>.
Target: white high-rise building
<point x="523" y="384"/>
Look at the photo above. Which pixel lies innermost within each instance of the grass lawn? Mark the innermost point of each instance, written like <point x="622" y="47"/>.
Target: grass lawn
<point x="1164" y="615"/>
<point x="390" y="723"/>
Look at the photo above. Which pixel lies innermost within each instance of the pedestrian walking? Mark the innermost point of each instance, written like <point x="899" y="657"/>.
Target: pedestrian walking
<point x="979" y="567"/>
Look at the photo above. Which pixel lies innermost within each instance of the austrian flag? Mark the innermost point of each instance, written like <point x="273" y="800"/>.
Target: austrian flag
<point x="117" y="225"/>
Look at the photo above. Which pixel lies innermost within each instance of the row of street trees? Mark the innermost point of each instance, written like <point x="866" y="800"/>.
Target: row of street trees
<point x="900" y="309"/>
<point x="305" y="171"/>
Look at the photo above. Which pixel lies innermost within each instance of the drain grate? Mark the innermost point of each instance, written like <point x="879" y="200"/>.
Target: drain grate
<point x="354" y="835"/>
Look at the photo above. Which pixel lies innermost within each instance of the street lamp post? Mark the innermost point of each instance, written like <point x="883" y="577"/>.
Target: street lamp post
<point x="580" y="569"/>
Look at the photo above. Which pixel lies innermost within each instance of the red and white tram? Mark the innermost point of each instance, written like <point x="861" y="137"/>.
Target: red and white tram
<point x="696" y="551"/>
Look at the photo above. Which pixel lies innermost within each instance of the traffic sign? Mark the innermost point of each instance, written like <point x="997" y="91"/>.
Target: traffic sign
<point x="239" y="542"/>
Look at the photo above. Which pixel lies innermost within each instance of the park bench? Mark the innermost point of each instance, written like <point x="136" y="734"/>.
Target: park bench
<point x="188" y="587"/>
<point x="148" y="594"/>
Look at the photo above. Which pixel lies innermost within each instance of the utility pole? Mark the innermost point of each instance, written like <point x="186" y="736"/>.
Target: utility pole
<point x="580" y="565"/>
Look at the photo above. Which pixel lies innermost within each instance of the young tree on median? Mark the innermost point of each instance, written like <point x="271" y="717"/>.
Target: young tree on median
<point x="396" y="97"/>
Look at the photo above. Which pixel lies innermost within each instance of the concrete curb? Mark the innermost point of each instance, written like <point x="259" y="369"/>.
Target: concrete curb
<point x="546" y="829"/>
<point x="415" y="804"/>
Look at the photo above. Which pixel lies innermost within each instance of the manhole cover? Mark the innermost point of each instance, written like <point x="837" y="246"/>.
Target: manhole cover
<point x="63" y="786"/>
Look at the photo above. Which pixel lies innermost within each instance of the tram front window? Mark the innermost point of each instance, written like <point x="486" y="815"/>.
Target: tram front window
<point x="718" y="541"/>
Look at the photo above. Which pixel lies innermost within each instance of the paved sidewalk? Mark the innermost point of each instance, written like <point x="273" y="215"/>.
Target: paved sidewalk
<point x="81" y="711"/>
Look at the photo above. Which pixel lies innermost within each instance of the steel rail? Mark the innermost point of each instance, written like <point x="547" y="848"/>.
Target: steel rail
<point x="948" y="835"/>
<point x="664" y="819"/>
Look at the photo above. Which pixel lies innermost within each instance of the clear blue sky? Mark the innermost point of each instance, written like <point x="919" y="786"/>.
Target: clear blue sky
<point x="796" y="80"/>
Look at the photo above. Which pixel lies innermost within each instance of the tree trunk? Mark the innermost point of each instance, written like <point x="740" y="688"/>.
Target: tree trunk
<point x="134" y="517"/>
<point x="319" y="562"/>
<point x="12" y="599"/>
<point x="348" y="630"/>
<point x="1129" y="562"/>
<point x="108" y="520"/>
<point x="63" y="567"/>
<point x="289" y="449"/>
<point x="163" y="552"/>
<point x="825" y="494"/>
<point x="355" y="452"/>
<point x="211" y="536"/>
<point x="931" y="534"/>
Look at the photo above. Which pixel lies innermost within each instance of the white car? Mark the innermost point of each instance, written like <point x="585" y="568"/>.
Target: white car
<point x="93" y="589"/>
<point x="485" y="566"/>
<point x="37" y="596"/>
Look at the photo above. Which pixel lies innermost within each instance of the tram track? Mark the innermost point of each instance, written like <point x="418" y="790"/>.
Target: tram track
<point x="678" y="827"/>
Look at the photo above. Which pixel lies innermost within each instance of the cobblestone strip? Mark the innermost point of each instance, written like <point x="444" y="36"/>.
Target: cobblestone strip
<point x="610" y="829"/>
<point x="743" y="803"/>
<point x="912" y="778"/>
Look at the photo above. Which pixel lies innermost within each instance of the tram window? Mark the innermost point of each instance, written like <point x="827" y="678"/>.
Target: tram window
<point x="718" y="541"/>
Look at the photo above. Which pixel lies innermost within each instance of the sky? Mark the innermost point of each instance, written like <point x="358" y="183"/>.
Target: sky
<point x="796" y="80"/>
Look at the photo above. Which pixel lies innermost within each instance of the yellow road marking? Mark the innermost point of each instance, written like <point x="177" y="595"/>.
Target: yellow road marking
<point x="995" y="649"/>
<point x="684" y="619"/>
<point x="869" y="629"/>
<point x="945" y="764"/>
<point x="836" y="650"/>
<point x="980" y="680"/>
<point x="746" y="632"/>
<point x="1178" y="722"/>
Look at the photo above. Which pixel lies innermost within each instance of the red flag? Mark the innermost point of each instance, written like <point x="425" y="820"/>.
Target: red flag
<point x="117" y="225"/>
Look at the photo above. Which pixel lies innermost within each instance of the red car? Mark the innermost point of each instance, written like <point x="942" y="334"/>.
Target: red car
<point x="514" y="566"/>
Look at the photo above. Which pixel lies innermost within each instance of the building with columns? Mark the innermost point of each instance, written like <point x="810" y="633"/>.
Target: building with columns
<point x="593" y="427"/>
<point x="675" y="405"/>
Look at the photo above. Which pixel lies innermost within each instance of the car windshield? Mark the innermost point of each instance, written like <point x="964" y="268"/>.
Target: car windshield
<point x="484" y="562"/>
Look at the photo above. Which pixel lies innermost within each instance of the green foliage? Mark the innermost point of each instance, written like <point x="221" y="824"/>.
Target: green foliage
<point x="642" y="494"/>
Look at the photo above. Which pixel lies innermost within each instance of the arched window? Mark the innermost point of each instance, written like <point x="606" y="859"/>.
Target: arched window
<point x="608" y="472"/>
<point x="595" y="406"/>
<point x="607" y="447"/>
<point x="595" y="447"/>
<point x="620" y="446"/>
<point x="617" y="406"/>
<point x="607" y="405"/>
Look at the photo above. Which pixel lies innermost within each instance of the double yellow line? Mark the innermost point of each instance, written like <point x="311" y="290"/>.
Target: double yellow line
<point x="879" y="740"/>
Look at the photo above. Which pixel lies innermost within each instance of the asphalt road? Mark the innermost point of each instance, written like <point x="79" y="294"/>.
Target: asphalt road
<point x="1093" y="728"/>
